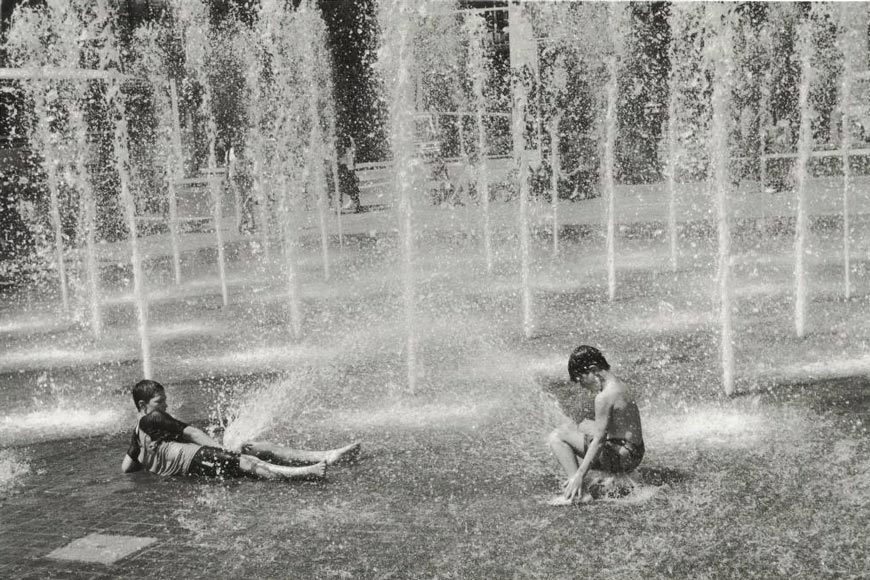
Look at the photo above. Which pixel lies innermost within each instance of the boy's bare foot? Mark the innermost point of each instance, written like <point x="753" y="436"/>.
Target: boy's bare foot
<point x="344" y="454"/>
<point x="316" y="471"/>
<point x="559" y="500"/>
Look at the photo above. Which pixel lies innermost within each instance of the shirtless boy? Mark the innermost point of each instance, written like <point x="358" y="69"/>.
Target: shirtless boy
<point x="166" y="446"/>
<point x="613" y="443"/>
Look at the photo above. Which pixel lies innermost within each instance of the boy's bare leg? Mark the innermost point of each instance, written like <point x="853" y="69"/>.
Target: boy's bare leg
<point x="277" y="453"/>
<point x="260" y="468"/>
<point x="567" y="443"/>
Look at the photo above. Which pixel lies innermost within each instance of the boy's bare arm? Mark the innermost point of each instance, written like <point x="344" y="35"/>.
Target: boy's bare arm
<point x="200" y="437"/>
<point x="603" y="407"/>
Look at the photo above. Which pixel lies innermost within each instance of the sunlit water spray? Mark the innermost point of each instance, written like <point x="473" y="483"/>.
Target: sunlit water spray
<point x="251" y="415"/>
<point x="13" y="467"/>
<point x="58" y="423"/>
<point x="396" y="62"/>
<point x="56" y="356"/>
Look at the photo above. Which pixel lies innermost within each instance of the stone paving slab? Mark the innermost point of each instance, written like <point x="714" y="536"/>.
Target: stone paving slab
<point x="101" y="548"/>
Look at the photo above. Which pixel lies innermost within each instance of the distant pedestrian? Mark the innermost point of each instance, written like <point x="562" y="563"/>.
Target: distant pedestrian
<point x="348" y="182"/>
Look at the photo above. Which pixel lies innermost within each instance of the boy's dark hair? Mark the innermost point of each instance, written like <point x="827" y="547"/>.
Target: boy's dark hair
<point x="145" y="390"/>
<point x="585" y="358"/>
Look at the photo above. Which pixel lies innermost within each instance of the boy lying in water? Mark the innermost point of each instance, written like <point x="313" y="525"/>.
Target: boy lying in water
<point x="166" y="446"/>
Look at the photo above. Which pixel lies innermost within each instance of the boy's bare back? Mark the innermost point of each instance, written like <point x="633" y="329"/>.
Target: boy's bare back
<point x="624" y="415"/>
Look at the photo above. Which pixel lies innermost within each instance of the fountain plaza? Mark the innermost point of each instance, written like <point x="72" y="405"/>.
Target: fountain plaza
<point x="427" y="329"/>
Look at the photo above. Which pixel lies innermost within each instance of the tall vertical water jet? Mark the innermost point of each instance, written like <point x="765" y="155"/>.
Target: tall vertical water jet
<point x="719" y="50"/>
<point x="558" y="89"/>
<point x="49" y="165"/>
<point x="675" y="22"/>
<point x="850" y="20"/>
<point x="671" y="180"/>
<point x="88" y="217"/>
<point x="805" y="146"/>
<point x="151" y="59"/>
<point x="313" y="36"/>
<point x="256" y="95"/>
<point x="282" y="103"/>
<point x="616" y="16"/>
<point x="556" y="170"/>
<point x="194" y="24"/>
<point x="231" y="169"/>
<point x="175" y="172"/>
<point x="397" y="22"/>
<point x="764" y="113"/>
<point x="607" y="178"/>
<point x="122" y="164"/>
<point x="336" y="185"/>
<point x="475" y="27"/>
<point x="215" y="189"/>
<point x="288" y="235"/>
<point x="523" y="50"/>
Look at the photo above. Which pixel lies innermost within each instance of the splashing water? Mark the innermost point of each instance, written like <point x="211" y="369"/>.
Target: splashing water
<point x="12" y="469"/>
<point x="284" y="401"/>
<point x="61" y="422"/>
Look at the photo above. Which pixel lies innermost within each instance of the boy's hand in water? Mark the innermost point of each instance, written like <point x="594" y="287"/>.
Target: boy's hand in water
<point x="574" y="487"/>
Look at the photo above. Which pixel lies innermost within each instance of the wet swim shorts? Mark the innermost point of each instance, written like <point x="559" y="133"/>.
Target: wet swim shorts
<point x="214" y="462"/>
<point x="617" y="455"/>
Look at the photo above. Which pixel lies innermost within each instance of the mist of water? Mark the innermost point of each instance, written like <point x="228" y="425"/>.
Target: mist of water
<point x="122" y="158"/>
<point x="805" y="145"/>
<point x="478" y="70"/>
<point x="556" y="168"/>
<point x="43" y="133"/>
<point x="174" y="172"/>
<point x="607" y="179"/>
<point x="848" y="43"/>
<point x="523" y="51"/>
<point x="720" y="155"/>
<point x="396" y="62"/>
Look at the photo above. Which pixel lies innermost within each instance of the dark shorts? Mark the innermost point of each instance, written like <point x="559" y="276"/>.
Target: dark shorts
<point x="214" y="462"/>
<point x="617" y="455"/>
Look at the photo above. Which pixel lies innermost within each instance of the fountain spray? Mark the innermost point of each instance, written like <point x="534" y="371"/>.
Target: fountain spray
<point x="397" y="20"/>
<point x="311" y="28"/>
<point x="122" y="163"/>
<point x="719" y="49"/>
<point x="89" y="214"/>
<point x="670" y="171"/>
<point x="474" y="25"/>
<point x="556" y="170"/>
<point x="848" y="43"/>
<point x="193" y="18"/>
<point x="288" y="227"/>
<point x="336" y="185"/>
<point x="49" y="164"/>
<point x="175" y="163"/>
<point x="214" y="187"/>
<point x="616" y="16"/>
<point x="523" y="50"/>
<point x="805" y="146"/>
<point x="256" y="91"/>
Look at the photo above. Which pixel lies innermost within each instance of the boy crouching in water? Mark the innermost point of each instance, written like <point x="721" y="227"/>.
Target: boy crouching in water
<point x="166" y="446"/>
<point x="613" y="443"/>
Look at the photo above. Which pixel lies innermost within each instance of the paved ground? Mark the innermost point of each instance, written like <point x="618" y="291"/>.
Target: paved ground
<point x="451" y="487"/>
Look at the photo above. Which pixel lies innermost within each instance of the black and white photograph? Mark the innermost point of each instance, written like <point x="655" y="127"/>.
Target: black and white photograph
<point x="434" y="289"/>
